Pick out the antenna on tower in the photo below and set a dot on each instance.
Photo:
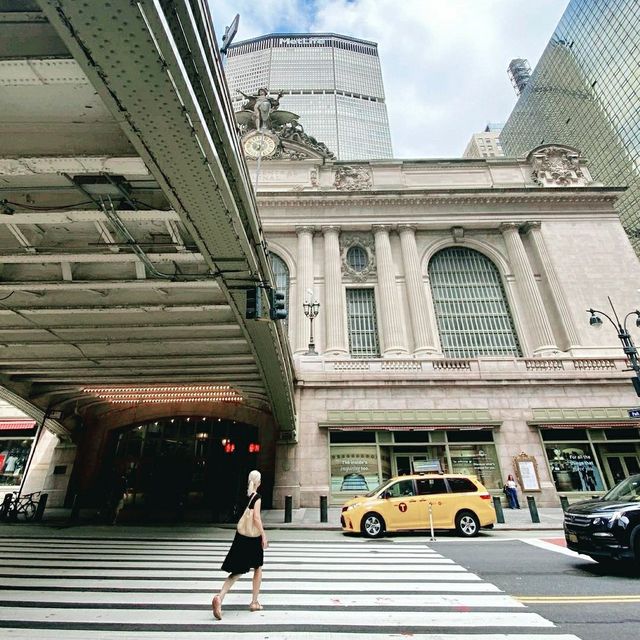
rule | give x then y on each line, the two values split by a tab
519	72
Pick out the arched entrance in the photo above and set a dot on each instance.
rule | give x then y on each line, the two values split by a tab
182	467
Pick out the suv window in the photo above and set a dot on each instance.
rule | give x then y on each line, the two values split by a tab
401	488
429	486
461	485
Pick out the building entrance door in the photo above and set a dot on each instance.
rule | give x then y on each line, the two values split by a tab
620	466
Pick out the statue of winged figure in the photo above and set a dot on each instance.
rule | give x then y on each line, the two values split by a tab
261	111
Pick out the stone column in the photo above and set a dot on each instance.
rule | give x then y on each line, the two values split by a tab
562	309
304	281
334	314
542	338
394	340
422	320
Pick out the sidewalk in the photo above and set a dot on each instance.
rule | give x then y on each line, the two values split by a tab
309	518
302	519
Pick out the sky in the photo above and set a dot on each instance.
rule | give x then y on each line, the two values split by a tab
444	62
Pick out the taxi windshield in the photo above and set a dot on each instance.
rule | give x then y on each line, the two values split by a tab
379	488
627	490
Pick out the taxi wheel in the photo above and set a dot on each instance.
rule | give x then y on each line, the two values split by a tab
372	525
467	524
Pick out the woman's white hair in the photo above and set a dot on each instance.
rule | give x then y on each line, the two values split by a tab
254	481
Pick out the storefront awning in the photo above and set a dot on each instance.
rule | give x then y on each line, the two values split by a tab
16	425
393	427
632	424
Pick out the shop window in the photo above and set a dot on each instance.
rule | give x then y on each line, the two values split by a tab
429	486
354	469
564	434
338	437
411	436
478	460
470	435
462	485
621	434
573	467
13	457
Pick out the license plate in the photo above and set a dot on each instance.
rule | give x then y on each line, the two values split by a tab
572	537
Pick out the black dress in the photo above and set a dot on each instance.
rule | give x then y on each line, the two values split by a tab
245	553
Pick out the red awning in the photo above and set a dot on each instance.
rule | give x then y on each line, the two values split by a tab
633	424
17	425
404	427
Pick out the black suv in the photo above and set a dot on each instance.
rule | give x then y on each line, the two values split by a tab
607	528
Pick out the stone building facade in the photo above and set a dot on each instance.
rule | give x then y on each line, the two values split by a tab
452	330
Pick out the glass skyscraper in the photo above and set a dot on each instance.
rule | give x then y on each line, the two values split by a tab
333	82
585	92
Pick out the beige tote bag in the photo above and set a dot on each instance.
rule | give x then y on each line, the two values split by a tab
246	525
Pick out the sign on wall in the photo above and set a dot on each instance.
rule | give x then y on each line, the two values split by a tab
527	472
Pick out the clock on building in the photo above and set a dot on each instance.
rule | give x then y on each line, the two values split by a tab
259	144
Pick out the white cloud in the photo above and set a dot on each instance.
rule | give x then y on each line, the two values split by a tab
444	62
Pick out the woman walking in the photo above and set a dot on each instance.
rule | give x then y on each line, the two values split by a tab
246	550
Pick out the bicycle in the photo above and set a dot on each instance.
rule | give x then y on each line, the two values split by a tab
25	507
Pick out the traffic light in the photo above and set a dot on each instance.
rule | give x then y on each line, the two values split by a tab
276	304
254	304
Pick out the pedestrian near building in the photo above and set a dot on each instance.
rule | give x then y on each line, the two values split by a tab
247	549
511	491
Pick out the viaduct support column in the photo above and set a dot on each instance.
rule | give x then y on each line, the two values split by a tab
394	340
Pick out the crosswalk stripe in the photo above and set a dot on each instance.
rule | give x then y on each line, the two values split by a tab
148	590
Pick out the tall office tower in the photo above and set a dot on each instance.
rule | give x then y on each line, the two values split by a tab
485	144
584	93
333	82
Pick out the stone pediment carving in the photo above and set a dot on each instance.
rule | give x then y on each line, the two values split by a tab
557	166
352	178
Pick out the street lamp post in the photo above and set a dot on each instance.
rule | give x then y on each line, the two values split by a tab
311	307
623	334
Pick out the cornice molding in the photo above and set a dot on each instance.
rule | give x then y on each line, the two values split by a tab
306	200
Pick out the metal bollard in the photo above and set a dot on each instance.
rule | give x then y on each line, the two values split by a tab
323	509
564	502
533	510
497	505
288	508
42	503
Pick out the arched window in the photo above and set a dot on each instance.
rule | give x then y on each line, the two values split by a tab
472	311
281	275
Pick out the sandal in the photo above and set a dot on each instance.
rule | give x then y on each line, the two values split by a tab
216	605
255	606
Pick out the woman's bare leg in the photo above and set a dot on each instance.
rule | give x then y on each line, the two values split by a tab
257	580
228	583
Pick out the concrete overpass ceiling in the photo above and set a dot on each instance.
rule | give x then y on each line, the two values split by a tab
127	227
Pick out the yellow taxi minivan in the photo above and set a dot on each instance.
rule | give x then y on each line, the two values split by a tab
402	504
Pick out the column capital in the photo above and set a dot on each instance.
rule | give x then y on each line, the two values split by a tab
510	226
381	228
407	227
330	228
305	229
531	224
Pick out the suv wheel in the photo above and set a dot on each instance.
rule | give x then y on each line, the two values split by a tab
467	524
372	525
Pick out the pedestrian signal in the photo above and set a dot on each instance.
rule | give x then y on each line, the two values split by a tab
254	304
277	309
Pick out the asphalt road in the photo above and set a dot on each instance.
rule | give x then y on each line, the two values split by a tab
582	597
